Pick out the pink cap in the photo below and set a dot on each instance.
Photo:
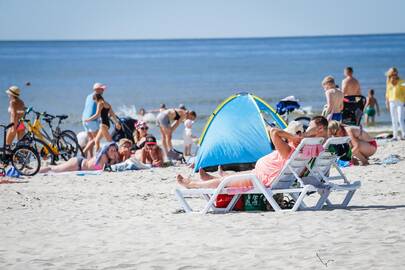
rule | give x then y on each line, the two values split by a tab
99	86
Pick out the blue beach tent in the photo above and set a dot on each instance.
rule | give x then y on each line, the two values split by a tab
235	135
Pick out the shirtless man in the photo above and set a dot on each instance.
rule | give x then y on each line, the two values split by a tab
350	85
334	99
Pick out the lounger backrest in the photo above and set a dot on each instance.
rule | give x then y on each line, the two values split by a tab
296	164
326	159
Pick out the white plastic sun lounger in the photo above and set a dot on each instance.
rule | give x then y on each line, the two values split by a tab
321	169
282	184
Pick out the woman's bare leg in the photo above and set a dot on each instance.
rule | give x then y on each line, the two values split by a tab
101	133
10	135
68	166
186	182
222	172
169	133
88	150
356	151
163	133
212	183
204	175
106	133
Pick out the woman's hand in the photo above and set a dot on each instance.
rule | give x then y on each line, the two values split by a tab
387	105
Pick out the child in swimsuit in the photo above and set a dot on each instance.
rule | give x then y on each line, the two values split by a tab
371	108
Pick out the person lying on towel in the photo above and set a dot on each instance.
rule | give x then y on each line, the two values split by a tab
268	167
106	156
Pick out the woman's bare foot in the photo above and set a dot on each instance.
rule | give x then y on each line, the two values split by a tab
183	181
204	175
221	172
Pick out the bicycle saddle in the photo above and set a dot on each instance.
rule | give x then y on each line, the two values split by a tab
62	117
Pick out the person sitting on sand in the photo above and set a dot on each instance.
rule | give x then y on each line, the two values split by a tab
108	155
268	167
152	153
334	99
363	145
371	108
168	121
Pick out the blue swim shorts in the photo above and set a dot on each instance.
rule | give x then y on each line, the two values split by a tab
91	126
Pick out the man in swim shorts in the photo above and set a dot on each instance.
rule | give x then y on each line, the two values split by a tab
334	99
90	109
350	85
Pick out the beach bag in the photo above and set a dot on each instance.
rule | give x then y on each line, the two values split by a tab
255	202
176	155
223	200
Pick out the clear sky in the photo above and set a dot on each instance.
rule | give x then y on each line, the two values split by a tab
172	19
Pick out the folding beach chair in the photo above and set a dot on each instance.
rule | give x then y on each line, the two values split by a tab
284	183
320	170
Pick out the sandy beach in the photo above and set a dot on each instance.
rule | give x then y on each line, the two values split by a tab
130	220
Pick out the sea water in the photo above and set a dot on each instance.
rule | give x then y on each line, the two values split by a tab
197	73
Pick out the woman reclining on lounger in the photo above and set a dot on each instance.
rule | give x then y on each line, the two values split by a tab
108	155
268	167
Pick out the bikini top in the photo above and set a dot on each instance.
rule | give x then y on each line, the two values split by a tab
177	116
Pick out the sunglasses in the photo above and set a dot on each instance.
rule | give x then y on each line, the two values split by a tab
143	128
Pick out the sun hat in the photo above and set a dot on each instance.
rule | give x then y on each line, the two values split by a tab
150	140
124	141
294	127
14	91
99	86
140	124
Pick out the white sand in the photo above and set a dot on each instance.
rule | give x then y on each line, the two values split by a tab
128	220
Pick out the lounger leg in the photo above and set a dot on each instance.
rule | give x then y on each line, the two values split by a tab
232	203
270	199
322	200
209	205
299	199
295	197
348	198
183	202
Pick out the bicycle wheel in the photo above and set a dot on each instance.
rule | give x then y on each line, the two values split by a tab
67	145
44	151
70	133
25	160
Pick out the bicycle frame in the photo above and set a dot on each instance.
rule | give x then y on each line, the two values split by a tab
37	130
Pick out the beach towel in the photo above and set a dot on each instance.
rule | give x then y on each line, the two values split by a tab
129	165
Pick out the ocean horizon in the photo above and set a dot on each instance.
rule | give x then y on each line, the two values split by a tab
199	73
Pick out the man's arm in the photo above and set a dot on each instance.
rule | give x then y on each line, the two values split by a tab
344	87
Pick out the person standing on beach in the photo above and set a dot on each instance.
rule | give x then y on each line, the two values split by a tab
334	99
350	85
168	121
104	111
16	109
371	108
395	99
90	108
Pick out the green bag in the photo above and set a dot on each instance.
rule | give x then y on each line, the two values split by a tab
255	202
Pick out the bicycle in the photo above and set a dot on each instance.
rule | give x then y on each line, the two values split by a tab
62	135
62	145
23	158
